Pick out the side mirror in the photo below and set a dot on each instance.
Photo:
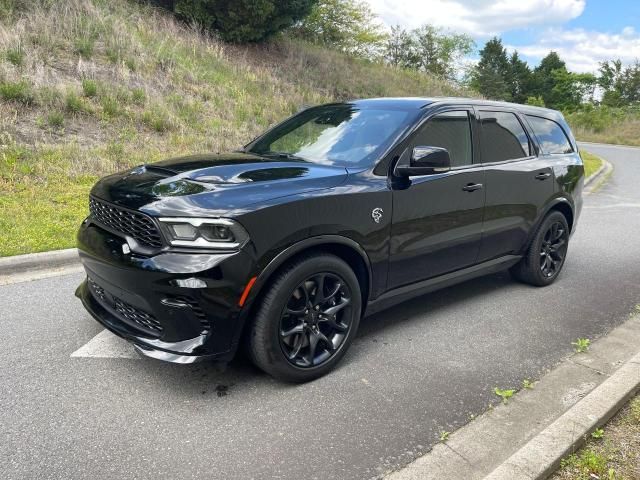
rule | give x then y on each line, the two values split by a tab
423	161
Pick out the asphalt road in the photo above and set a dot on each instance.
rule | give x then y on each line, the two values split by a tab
413	371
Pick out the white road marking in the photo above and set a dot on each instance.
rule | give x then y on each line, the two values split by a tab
106	345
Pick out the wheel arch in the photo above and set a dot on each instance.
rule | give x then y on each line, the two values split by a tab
563	206
343	247
558	204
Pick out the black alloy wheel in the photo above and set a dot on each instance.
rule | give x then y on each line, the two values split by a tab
316	320
542	262
553	249
306	319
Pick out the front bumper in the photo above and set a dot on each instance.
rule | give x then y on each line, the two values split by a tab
142	300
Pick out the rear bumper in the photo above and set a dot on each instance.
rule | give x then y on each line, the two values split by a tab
146	300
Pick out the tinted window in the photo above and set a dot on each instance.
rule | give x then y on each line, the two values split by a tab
450	130
344	135
551	136
503	137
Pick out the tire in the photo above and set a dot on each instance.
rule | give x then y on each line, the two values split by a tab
323	325
546	254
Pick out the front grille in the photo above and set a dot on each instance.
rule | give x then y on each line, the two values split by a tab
136	225
145	320
97	290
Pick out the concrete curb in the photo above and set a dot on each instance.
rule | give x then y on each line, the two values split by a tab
38	261
603	172
526	438
541	456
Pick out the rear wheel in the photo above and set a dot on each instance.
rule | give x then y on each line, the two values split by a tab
307	319
546	255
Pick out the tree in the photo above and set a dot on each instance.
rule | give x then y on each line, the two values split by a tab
544	79
428	49
400	48
621	85
348	25
519	79
244	20
490	76
570	90
437	51
610	80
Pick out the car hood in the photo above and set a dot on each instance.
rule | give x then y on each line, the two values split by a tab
213	184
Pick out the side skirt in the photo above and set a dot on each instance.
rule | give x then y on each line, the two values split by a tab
401	294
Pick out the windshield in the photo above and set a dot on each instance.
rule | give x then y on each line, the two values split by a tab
343	135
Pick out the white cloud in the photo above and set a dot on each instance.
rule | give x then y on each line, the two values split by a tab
478	18
582	50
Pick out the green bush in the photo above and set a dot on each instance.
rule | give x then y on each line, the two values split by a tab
84	47
244	20
157	119
75	104
17	92
89	88
138	96
15	56
535	101
595	119
110	107
55	119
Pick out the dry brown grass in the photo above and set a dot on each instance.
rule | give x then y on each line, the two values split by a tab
162	88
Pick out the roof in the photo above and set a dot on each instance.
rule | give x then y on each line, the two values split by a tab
422	102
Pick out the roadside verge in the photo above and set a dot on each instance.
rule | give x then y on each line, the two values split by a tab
528	437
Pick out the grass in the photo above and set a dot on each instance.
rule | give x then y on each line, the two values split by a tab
581	345
504	394
612	454
15	56
606	125
55	119
91	87
17	91
591	163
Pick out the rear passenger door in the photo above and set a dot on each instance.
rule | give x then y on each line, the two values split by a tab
518	182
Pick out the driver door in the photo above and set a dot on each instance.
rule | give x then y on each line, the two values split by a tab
437	219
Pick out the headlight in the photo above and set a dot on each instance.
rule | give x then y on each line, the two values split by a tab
219	233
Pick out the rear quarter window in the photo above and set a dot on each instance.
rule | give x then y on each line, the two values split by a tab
552	138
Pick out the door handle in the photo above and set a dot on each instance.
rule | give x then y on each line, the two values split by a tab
543	175
472	187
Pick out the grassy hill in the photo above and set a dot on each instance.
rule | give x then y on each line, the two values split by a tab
89	87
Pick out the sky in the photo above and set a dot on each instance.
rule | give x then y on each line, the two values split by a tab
583	32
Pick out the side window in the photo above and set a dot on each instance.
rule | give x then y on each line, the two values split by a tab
450	130
502	137
551	135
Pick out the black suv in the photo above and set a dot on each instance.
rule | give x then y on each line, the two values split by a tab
335	213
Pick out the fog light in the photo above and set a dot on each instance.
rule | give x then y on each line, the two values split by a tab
190	283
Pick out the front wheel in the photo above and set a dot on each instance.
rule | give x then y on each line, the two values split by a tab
307	319
545	257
